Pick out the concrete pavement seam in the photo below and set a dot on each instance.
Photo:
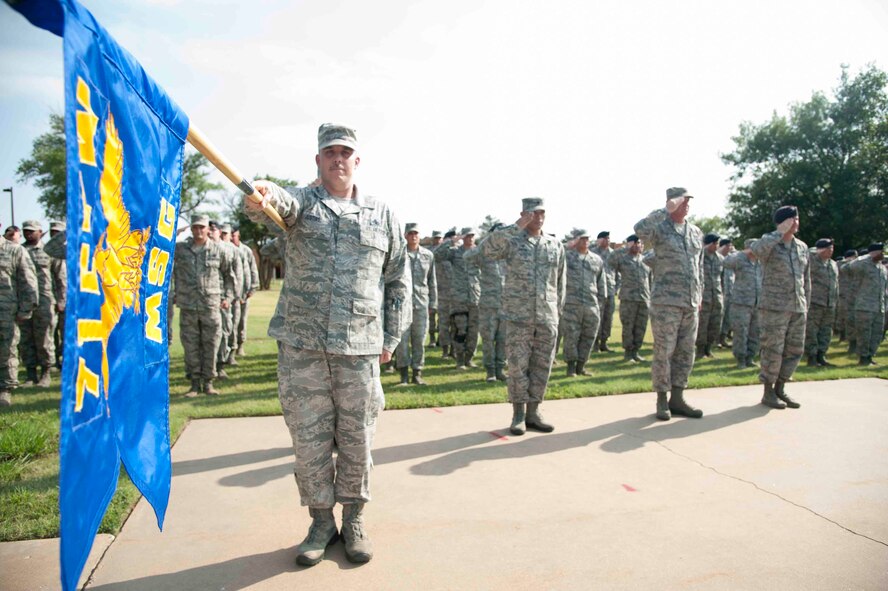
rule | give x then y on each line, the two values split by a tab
756	486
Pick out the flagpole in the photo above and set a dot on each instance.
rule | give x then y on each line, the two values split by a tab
205	147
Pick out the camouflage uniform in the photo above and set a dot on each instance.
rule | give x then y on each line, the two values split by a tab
275	251
745	297
727	291
870	280
411	349
822	305
203	280
786	284
59	272
635	298
533	298
586	294
847	296
36	346
18	299
346	297
493	327
236	270
675	297
443	271
710	321
465	295
609	303
242	307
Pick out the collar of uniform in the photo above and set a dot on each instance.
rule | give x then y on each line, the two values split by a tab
362	201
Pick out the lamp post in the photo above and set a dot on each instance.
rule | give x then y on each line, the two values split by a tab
11	204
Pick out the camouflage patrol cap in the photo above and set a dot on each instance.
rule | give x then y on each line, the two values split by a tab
31	225
469	230
533	204
198	219
225	228
673	192
334	134
582	233
57	225
411	227
436	234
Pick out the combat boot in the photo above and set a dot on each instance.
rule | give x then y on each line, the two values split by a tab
518	426
32	377
637	357
232	358
357	544
723	342
405	376
707	351
535	420
866	361
699	354
500	374
45	380
321	534
5	398
390	367
571	369
782	395
445	351
469	363
417	378
750	362
812	360
822	361
770	398
194	392
240	351
663	407
604	348
221	374
678	406
852	346
741	363
491	374
210	390
581	369
627	355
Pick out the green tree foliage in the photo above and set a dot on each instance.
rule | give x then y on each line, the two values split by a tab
828	156
251	232
45	167
714	225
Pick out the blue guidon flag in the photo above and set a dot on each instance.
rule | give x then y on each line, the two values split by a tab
125	144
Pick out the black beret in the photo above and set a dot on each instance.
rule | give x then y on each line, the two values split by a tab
710	238
213	224
724	241
876	246
604	234
823	243
785	212
235	228
861	252
450	234
850	253
632	238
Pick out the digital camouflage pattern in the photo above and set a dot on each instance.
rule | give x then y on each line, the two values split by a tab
59	272
675	329
236	269
586	292
745	297
845	312
411	349
635	298
868	279
442	277
18	299
823	304
463	300
608	302
492	327
713	301
36	346
250	286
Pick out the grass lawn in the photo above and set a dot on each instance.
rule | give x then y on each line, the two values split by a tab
29	430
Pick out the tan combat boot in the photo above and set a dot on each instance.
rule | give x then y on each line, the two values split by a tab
194	392
358	548
321	534
210	390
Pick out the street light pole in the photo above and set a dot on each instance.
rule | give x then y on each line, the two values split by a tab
11	204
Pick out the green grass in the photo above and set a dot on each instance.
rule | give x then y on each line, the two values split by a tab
29	429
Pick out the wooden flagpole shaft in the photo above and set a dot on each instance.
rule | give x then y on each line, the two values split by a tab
205	147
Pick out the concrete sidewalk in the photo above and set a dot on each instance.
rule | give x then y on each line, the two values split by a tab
745	498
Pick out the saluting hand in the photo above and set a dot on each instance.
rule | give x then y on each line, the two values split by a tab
674	203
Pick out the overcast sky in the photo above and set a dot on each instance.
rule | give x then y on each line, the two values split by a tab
464	107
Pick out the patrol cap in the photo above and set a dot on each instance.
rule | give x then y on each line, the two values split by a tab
673	192
582	233
710	238
823	243
57	225
725	241
225	228
31	225
533	204
411	227
335	134
632	238
604	234
436	234
198	219
850	253
875	246
469	230
785	212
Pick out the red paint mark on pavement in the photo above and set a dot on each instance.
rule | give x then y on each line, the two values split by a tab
438	410
498	435
629	488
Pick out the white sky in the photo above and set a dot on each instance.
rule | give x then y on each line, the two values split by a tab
464	107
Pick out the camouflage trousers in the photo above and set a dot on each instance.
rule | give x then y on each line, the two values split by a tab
530	349
607	318
726	316
225	327
170	312
9	340
493	338
58	337
235	320
870	330
709	325
783	342
847	313
36	346
200	332
330	401
818	332
444	322
410	352
745	325
675	330
464	331
433	325
634	318
241	324
579	326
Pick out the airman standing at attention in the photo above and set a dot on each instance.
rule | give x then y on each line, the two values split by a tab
17	303
59	273
823	303
711	311
490	310
411	350
221	234
603	249
434	317
465	295
36	346
635	296
870	281
746	295
251	285
586	292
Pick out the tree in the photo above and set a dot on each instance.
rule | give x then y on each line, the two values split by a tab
829	157
46	169
713	225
